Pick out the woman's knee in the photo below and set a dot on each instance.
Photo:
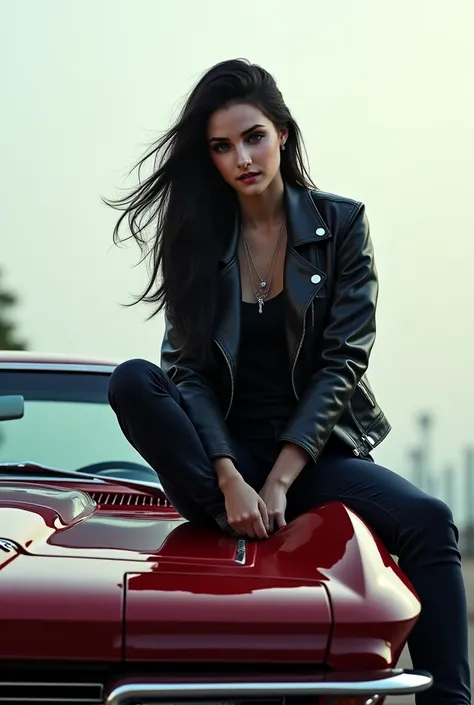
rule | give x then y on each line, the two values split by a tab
128	380
429	514
427	530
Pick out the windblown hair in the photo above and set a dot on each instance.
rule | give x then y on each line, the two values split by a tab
189	206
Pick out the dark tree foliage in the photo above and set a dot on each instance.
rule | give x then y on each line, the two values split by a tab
8	339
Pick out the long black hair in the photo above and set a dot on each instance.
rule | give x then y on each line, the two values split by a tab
190	207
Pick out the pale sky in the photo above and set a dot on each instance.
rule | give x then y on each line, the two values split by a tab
384	94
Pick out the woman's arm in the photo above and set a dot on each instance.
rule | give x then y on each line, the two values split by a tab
246	511
347	341
198	395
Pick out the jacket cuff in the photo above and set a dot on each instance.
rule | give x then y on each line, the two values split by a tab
312	452
223	454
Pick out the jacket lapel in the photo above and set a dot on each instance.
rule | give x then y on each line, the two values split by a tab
303	279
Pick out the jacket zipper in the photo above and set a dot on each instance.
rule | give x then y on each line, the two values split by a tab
296	357
355	450
231	377
366	394
364	436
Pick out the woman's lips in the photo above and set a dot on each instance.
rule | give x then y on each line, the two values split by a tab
249	177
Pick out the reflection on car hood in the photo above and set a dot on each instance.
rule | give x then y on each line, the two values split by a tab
164	587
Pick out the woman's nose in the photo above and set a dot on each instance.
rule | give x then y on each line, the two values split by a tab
243	160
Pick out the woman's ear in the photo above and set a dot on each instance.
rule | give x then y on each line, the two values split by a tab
283	134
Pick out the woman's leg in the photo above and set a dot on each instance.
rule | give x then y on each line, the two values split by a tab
148	407
419	529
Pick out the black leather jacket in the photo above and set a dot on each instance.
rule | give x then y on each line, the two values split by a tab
331	294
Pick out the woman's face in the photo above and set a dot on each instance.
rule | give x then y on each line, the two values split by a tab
245	147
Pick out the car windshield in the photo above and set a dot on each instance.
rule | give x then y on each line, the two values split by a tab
67	424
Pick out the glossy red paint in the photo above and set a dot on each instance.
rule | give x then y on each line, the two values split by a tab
61	610
142	585
374	606
187	616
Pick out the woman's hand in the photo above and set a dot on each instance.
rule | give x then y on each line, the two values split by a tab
246	510
274	496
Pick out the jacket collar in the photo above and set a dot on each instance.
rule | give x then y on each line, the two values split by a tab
306	223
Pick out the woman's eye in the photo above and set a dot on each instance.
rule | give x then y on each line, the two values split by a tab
219	148
222	147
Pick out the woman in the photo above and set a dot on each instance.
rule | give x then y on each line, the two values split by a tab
261	409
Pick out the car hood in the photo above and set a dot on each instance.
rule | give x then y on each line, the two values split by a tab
151	586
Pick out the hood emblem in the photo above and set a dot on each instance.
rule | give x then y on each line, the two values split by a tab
241	552
7	546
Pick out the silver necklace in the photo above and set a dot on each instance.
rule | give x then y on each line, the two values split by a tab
264	283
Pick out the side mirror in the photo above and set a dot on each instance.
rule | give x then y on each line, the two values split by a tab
12	407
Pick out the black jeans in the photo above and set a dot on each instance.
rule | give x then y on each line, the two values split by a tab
417	528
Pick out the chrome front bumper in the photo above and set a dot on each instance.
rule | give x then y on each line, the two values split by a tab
394	682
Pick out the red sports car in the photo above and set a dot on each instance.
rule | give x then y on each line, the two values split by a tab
108	596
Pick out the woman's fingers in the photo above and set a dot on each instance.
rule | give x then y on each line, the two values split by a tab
252	525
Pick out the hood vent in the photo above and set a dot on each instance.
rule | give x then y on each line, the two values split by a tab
130	499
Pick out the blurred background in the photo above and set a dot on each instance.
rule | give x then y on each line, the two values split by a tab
384	94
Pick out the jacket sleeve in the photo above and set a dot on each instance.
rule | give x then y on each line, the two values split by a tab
197	390
346	342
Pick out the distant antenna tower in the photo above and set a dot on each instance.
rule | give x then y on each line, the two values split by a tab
469	485
449	488
425	421
416	464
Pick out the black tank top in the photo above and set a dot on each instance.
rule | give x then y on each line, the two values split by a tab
263	388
